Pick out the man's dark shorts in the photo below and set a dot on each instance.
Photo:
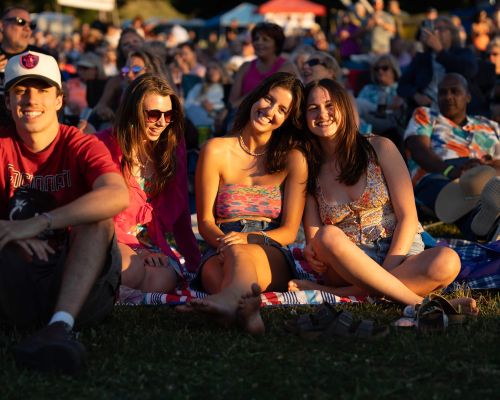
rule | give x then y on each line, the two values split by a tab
29	287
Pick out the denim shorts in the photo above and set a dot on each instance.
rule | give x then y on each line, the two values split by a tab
245	225
377	250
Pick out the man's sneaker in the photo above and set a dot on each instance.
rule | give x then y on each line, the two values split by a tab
53	348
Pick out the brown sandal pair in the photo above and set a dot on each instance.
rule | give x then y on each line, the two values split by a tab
327	322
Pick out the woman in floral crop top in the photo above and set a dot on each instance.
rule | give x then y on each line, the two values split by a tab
147	144
360	222
250	195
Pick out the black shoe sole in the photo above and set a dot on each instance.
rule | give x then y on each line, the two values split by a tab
54	357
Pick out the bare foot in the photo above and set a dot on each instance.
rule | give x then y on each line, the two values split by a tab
248	313
301	284
465	305
216	305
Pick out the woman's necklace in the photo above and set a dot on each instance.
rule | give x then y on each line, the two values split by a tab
247	150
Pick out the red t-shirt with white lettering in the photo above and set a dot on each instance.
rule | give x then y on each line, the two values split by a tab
67	168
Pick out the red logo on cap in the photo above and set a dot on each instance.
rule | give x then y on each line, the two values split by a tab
29	61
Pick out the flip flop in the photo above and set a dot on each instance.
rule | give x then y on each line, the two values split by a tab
455	316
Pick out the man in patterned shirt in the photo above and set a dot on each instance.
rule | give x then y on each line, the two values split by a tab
443	145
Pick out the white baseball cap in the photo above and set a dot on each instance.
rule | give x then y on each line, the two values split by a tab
32	65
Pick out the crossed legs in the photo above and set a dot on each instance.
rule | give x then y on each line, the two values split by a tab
351	272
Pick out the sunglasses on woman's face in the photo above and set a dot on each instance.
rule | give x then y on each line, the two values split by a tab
134	69
153	116
381	68
21	22
315	61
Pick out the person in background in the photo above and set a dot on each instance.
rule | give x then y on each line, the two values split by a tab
147	144
443	54
250	194
444	144
16	28
268	40
380	28
360	222
320	65
204	104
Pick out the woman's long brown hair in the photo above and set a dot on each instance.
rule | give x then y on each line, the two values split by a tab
289	135
130	128
353	151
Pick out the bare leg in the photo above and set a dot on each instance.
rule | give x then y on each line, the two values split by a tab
243	266
248	313
87	255
137	275
407	283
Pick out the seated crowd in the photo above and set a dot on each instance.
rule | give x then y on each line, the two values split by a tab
96	185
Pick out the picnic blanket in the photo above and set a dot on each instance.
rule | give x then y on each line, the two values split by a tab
480	269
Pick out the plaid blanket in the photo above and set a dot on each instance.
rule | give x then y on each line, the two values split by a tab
480	270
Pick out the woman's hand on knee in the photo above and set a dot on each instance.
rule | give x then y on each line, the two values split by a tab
231	239
310	256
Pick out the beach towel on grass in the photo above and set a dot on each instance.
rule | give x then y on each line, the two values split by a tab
480	270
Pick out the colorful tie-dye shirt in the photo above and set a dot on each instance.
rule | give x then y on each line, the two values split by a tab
477	138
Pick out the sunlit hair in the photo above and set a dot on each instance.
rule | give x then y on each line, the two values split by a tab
353	151
152	62
389	59
289	135
121	57
131	126
272	30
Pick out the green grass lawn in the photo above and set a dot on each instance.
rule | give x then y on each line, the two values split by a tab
157	353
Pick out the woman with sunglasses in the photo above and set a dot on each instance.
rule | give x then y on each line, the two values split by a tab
360	222
147	143
139	61
250	195
320	65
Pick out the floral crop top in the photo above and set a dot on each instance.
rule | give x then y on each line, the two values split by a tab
243	201
366	219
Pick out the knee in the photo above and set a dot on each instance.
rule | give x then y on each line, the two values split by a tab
445	266
328	239
235	252
98	229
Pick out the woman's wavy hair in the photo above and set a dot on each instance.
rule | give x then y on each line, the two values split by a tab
289	135
353	151
131	126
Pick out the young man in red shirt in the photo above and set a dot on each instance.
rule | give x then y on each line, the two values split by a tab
59	190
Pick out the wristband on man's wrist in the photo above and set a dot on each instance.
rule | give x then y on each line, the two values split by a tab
49	220
447	170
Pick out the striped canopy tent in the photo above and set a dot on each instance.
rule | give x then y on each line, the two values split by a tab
292	6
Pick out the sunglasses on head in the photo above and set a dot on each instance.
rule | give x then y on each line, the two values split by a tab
153	116
135	70
21	22
381	68
315	61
